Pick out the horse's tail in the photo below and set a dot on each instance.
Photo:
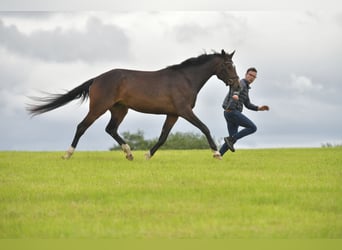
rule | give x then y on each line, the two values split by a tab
53	101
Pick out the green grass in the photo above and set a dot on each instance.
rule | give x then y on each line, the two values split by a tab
273	193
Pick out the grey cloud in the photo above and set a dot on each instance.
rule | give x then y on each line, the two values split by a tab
190	32
28	14
226	27
9	81
338	19
99	42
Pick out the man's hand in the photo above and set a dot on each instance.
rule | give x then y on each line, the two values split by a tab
263	108
235	97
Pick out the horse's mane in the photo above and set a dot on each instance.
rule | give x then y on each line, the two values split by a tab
194	61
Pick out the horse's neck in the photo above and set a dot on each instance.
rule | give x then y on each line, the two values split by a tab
197	76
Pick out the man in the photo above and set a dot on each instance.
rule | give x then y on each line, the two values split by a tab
233	105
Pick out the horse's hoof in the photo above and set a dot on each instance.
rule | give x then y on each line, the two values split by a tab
68	153
129	157
65	157
148	156
217	156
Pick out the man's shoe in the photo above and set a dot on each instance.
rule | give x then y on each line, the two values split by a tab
230	143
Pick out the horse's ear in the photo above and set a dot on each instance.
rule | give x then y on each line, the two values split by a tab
223	52
231	55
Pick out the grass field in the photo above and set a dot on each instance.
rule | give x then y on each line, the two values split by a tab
271	193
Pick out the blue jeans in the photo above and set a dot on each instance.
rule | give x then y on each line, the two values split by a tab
235	119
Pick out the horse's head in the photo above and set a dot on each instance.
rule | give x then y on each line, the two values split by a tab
226	70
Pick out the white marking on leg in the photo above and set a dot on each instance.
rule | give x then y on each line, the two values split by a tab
71	150
127	150
148	155
217	155
68	153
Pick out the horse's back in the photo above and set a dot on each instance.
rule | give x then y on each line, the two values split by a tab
136	79
143	91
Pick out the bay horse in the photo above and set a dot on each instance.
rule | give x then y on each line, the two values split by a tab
171	91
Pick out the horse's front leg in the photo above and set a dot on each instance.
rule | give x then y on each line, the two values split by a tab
193	119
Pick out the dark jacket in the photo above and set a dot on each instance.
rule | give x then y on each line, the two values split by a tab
243	94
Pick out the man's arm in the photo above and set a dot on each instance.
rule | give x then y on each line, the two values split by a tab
250	105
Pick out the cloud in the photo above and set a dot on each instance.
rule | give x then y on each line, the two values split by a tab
98	42
212	5
190	32
223	27
304	84
338	18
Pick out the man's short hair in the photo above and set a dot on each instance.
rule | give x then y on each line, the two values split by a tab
251	69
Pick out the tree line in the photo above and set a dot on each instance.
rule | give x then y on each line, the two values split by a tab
178	140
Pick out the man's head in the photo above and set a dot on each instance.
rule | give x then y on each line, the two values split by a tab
251	74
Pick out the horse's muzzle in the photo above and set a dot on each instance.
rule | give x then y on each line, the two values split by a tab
234	82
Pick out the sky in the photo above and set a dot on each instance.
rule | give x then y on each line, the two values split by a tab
297	52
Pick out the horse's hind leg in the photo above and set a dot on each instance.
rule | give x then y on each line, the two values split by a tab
81	128
118	113
168	124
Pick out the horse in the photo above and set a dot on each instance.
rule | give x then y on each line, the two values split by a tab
171	91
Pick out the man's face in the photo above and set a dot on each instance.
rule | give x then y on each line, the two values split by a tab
250	76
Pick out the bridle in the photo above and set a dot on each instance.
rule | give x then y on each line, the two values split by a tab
229	80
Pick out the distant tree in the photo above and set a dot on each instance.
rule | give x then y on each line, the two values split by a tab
186	140
330	145
179	140
136	141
